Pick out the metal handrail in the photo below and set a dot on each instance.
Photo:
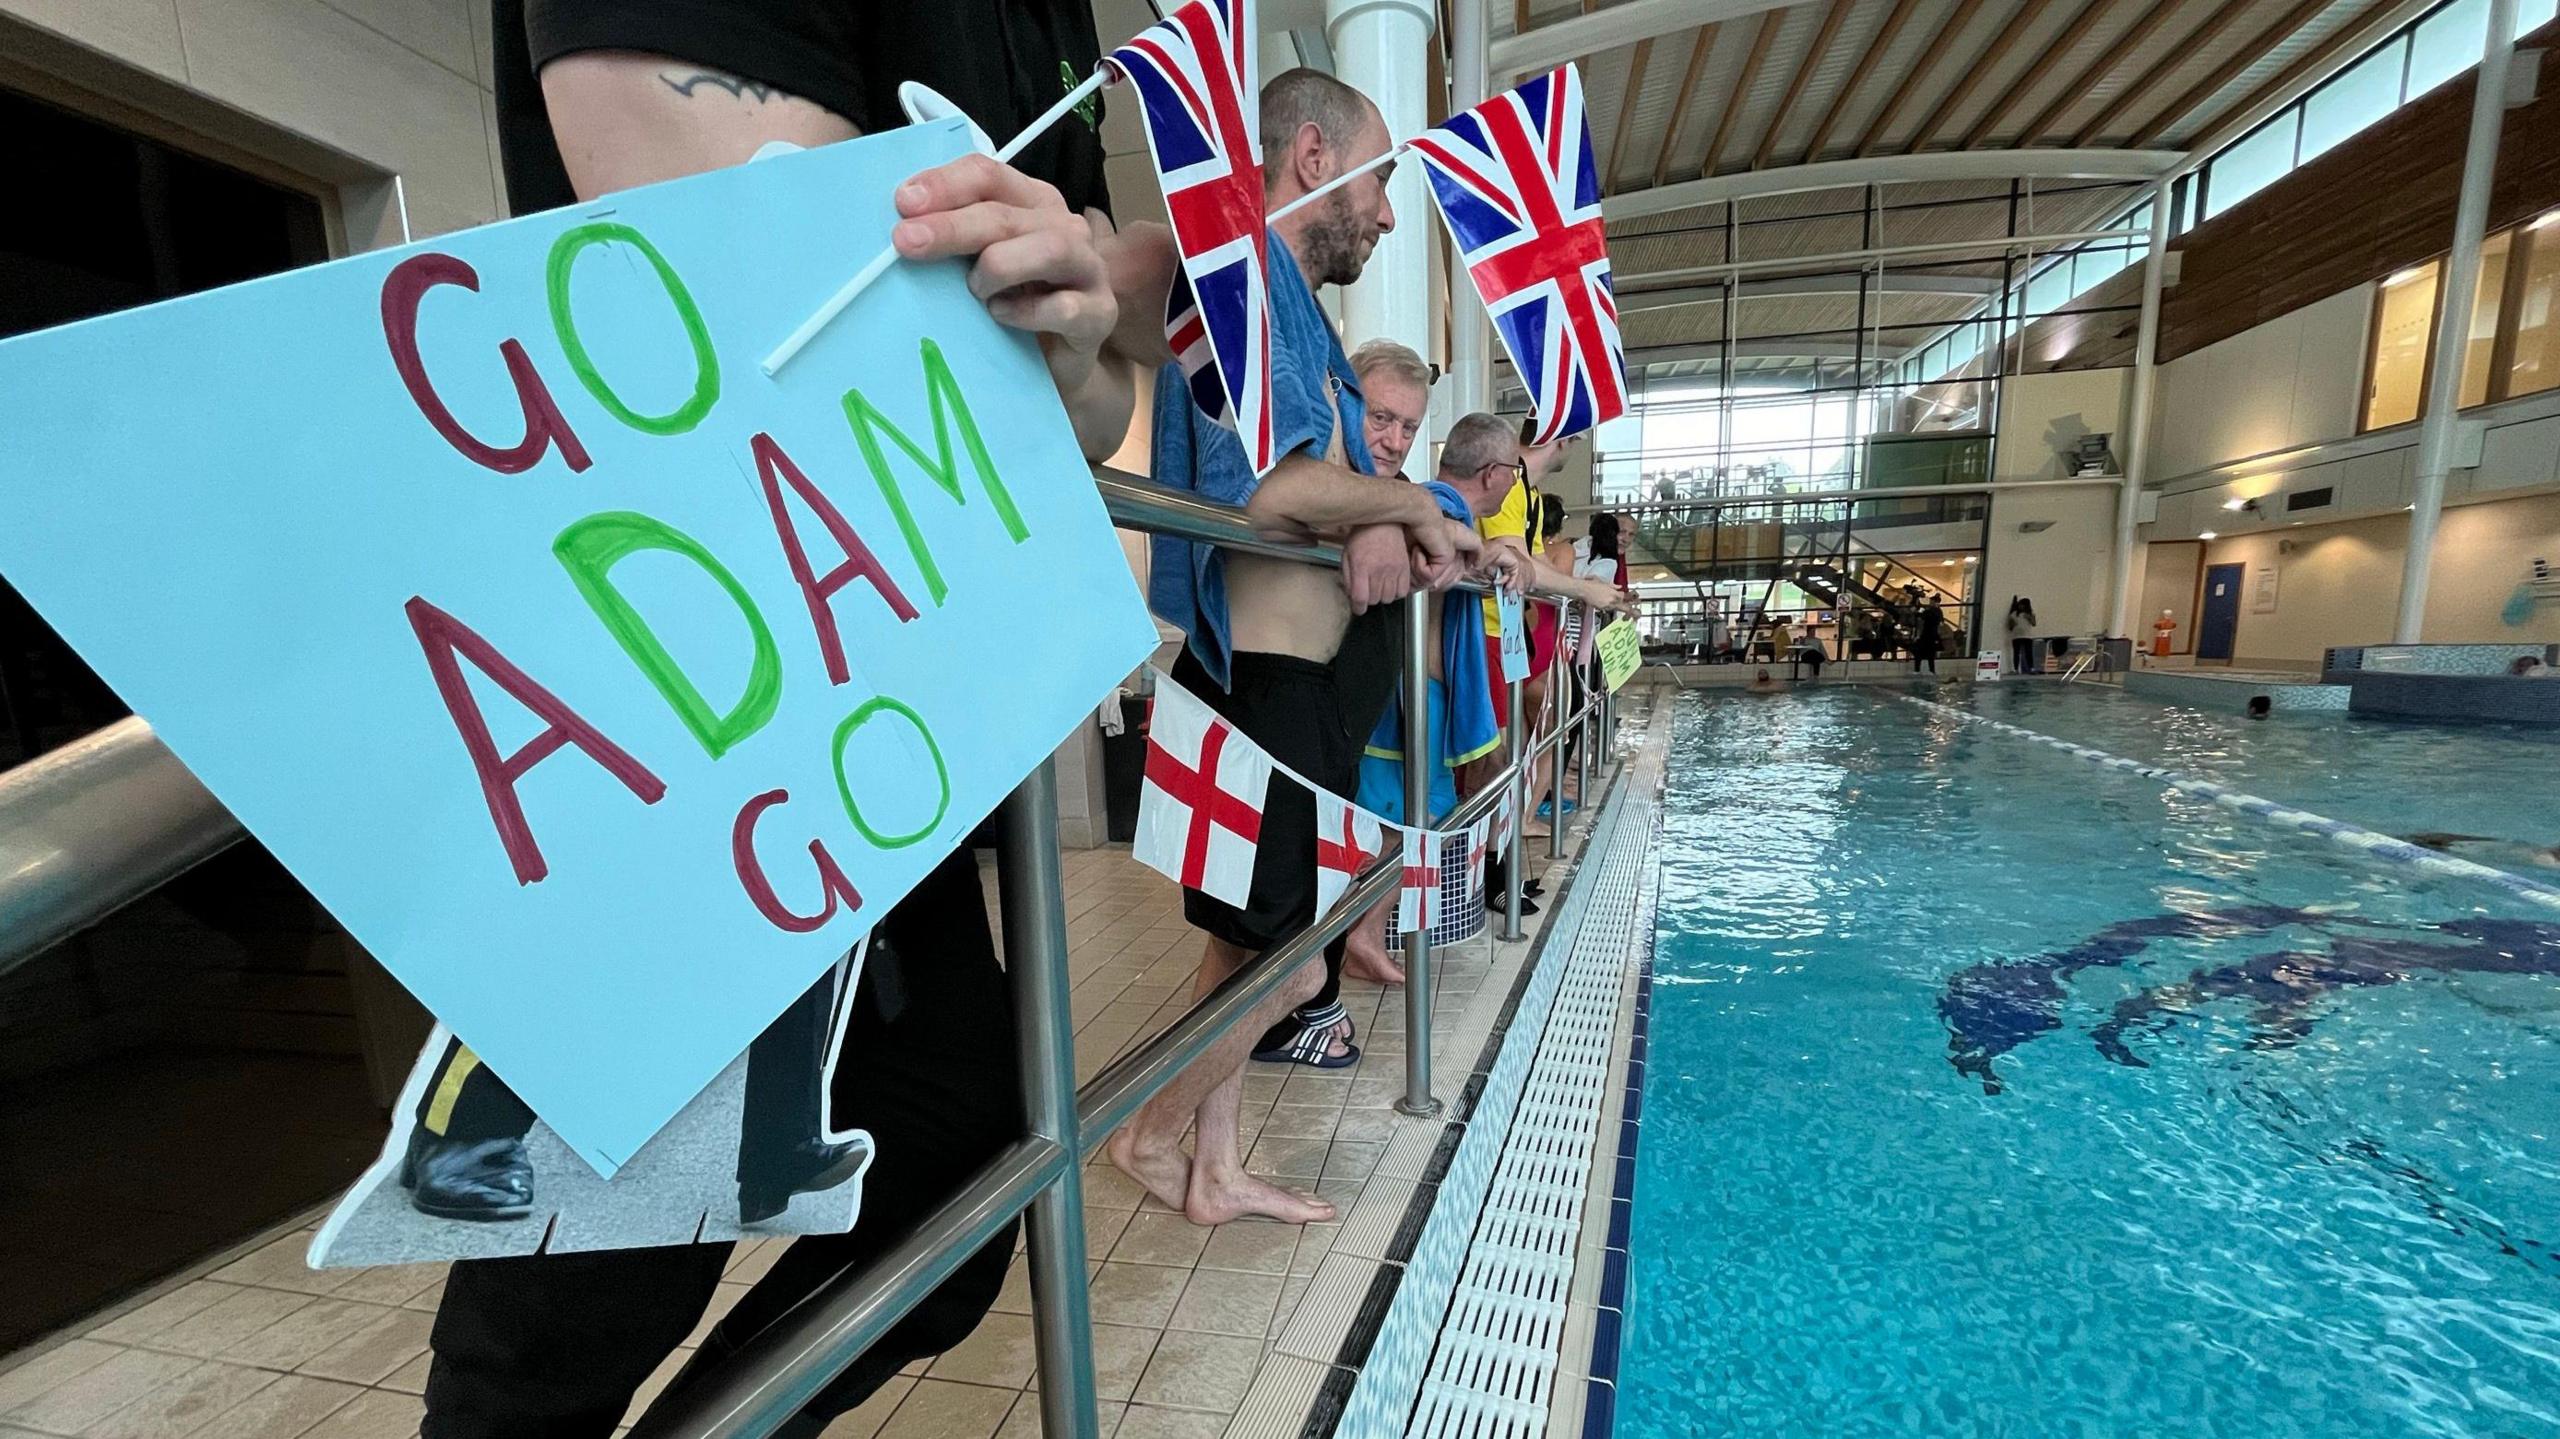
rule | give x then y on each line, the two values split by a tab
98	823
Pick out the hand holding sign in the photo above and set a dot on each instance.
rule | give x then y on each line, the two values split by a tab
605	690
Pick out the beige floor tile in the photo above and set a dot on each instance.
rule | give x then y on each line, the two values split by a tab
240	1315
1226	1301
1102	1231
1107	1188
373	1353
1366	1126
373	1414
1150	1421
183	1405
280	1264
390	1283
1300	1121
303	1335
723	1299
1314	1242
58	1365
1015	1295
865	1419
1352	1159
138	1325
751	1261
1300	1159
936	1409
1161	1239
1251	1246
91	1395
1200	1371
997	1353
282	1410
1120	1355
428	1299
1292	1289
1136	1294
411	1378
656	1384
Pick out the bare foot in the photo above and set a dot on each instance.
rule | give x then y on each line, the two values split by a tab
1165	1175
1535	829
1365	957
1244	1197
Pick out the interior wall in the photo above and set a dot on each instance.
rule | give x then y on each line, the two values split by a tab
2043	418
2171	573
2295	380
2062	564
2340	584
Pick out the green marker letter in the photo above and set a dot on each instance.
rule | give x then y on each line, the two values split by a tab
844	786
948	403
706	384
590	549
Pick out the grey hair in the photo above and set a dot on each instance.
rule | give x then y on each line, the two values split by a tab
1474	442
1310	97
1397	360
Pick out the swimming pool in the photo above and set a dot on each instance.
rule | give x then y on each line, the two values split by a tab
1994	1093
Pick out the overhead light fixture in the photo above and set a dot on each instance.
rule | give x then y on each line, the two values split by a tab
2234	504
2207	535
2547	221
1973	559
2404	277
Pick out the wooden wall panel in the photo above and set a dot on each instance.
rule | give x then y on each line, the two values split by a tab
2378	203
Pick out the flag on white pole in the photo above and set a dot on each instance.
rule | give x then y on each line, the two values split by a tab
1200	809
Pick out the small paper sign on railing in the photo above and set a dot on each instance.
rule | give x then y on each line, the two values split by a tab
1621	652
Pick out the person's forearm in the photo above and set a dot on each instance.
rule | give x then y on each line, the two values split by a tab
1142	259
1303	493
1100	408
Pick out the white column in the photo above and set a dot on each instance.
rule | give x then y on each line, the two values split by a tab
2137	440
1382	49
1470	329
2461	278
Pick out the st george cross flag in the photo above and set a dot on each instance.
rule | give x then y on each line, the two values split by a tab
1348	840
1479	843
1200	809
1502	822
1515	181
1195	72
1418	901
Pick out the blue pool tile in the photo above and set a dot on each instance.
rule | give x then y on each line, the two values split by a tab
1613	1278
1619	1223
1606	1324
1599	1409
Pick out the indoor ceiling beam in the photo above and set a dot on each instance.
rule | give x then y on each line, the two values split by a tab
2204	90
1937	165
1869	56
1975	71
1927	62
1628	99
1821	46
1739	97
2017	91
1548	46
2126	45
2201	38
1699	49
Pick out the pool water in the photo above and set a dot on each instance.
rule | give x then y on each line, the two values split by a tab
1995	1093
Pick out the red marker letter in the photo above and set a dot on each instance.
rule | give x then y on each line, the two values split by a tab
445	638
408	284
742	850
859	563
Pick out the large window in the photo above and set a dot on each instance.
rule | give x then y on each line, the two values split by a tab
2510	347
2418	57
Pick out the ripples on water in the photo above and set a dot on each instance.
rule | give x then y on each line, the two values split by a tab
2347	1228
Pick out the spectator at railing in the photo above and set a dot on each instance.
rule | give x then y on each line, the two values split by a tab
1298	658
595	96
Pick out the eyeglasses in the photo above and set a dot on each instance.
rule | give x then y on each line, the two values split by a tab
1519	469
1386	423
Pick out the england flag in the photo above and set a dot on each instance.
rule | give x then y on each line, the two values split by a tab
1348	840
1418	901
1200	808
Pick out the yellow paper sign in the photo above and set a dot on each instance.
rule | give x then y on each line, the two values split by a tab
1621	652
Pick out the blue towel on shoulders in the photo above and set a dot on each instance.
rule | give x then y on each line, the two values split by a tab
1473	733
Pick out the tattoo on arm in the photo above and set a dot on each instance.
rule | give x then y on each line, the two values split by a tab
736	87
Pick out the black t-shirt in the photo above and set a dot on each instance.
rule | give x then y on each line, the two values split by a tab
1002	61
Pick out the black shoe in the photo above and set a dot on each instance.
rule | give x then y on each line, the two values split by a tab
482	1180
1494	902
1534	889
818	1166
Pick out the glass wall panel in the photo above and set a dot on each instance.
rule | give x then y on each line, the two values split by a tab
2252	165
2365	92
2536	363
2402	322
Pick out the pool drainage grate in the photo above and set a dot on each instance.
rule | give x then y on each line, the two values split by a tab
1493	1370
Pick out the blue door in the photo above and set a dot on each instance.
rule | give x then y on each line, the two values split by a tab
2220	627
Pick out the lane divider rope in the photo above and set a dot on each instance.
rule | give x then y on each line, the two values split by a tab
2364	841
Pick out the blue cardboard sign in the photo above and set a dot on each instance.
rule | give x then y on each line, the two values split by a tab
1514	648
606	690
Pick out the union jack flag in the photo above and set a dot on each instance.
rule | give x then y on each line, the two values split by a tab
1515	181
1194	71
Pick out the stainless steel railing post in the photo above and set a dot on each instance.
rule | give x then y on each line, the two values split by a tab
1417	813
1582	742
1516	779
1560	705
1031	888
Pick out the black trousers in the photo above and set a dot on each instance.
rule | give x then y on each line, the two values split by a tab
554	1346
783	1109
